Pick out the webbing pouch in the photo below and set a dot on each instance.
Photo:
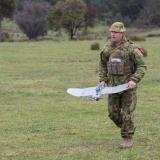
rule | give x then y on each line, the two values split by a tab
116	68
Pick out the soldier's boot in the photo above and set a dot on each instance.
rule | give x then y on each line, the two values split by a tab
127	143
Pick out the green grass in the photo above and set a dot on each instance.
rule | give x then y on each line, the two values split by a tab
40	121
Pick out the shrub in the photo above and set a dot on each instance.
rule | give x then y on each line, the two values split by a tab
6	37
136	38
153	35
32	18
95	46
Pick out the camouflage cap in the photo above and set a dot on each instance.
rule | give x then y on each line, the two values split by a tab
117	27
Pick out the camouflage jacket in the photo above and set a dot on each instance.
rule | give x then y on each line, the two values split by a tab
121	63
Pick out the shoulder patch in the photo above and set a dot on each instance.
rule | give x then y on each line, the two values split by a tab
138	52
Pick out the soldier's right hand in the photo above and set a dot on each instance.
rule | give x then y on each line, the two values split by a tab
103	83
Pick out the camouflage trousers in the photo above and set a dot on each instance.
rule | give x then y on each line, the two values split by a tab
120	109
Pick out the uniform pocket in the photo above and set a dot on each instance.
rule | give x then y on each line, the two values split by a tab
120	68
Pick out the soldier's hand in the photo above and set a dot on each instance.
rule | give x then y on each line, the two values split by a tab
131	84
103	83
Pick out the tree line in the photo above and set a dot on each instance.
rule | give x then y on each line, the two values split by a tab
35	17
137	12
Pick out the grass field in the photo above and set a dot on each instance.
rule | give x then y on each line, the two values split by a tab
40	121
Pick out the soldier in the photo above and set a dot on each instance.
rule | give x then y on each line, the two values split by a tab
121	62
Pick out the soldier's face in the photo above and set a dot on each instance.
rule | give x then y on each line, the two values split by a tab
116	36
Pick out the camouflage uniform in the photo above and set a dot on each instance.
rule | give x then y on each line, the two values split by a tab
119	64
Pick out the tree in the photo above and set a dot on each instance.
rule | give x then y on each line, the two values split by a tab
6	8
150	15
32	18
130	9
52	2
56	16
90	16
102	7
71	15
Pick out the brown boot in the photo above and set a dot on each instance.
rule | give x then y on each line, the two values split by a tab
127	143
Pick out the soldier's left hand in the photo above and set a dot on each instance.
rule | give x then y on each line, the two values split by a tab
131	84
